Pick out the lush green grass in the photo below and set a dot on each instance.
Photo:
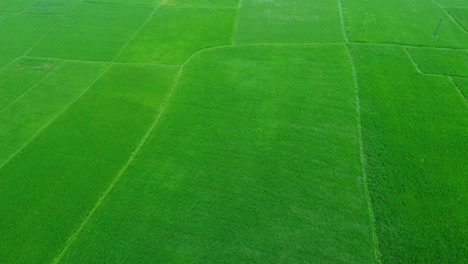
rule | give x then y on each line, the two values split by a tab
414	134
255	160
289	21
249	148
174	34
441	61
41	98
411	22
92	32
54	182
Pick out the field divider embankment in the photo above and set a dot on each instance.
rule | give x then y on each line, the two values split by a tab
342	21
365	183
25	144
31	87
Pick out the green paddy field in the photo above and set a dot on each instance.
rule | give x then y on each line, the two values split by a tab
233	131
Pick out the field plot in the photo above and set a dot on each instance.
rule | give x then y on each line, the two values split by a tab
289	21
414	133
233	131
436	61
92	32
247	165
412	22
174	34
